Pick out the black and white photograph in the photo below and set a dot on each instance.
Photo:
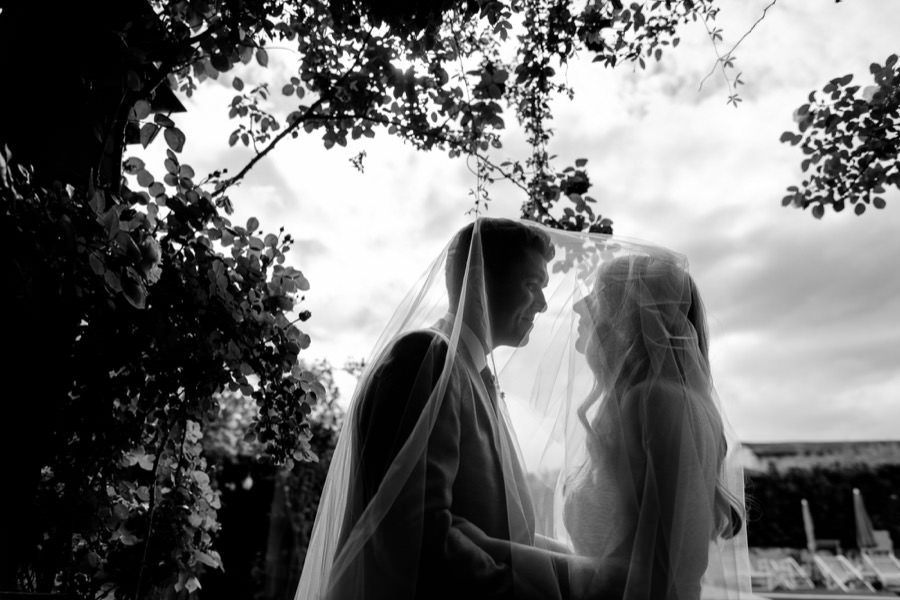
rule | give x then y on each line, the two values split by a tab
450	299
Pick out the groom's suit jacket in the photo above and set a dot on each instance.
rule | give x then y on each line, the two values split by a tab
457	479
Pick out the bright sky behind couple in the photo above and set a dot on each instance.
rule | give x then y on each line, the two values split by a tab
802	312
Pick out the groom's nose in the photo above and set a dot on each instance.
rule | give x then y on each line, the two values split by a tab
541	301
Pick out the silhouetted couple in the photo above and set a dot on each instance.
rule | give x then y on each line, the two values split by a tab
607	402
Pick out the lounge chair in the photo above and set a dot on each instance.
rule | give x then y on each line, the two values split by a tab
839	573
762	576
790	575
882	562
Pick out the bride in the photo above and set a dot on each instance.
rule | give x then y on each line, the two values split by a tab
649	492
633	465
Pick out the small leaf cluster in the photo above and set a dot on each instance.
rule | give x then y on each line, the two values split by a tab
552	33
850	137
572	183
614	32
297	489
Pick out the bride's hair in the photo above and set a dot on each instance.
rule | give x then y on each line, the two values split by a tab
643	305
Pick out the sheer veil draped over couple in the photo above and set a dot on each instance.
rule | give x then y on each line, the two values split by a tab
537	421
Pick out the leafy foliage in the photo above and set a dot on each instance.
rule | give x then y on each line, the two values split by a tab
158	320
851	139
267	511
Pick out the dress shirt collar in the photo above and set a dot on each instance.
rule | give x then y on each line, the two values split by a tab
470	341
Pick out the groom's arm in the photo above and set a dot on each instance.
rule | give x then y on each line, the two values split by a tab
419	527
394	398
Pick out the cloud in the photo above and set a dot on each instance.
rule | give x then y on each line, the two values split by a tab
309	249
803	313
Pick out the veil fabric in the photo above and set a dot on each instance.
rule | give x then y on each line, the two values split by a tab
537	420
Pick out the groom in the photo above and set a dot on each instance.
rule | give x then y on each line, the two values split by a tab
457	494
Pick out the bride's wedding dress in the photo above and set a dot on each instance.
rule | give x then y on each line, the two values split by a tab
649	490
641	509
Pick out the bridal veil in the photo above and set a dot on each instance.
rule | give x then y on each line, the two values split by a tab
587	456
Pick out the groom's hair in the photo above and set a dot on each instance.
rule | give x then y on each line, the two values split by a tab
503	243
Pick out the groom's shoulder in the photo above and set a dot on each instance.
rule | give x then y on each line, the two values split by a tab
416	347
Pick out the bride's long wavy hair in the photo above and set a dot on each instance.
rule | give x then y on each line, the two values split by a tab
638	294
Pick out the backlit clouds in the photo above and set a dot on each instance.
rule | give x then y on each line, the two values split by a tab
804	314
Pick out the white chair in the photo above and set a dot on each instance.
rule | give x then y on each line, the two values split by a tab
882	562
790	575
762	576
839	573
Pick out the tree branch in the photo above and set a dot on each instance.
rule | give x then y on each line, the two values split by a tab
220	189
721	59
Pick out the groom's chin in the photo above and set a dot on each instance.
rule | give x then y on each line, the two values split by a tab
526	336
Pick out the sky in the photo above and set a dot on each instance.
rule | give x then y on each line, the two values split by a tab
804	313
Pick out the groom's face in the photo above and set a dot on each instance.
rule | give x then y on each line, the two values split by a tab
516	296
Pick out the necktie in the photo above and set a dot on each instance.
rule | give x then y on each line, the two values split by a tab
490	384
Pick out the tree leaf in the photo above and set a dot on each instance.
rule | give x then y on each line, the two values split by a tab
174	138
161	119
220	62
252	224
140	110
207	559
133	165
113	281
262	57
97	265
133	81
156	189
149	132
145	461
144	177
201	477
134	291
